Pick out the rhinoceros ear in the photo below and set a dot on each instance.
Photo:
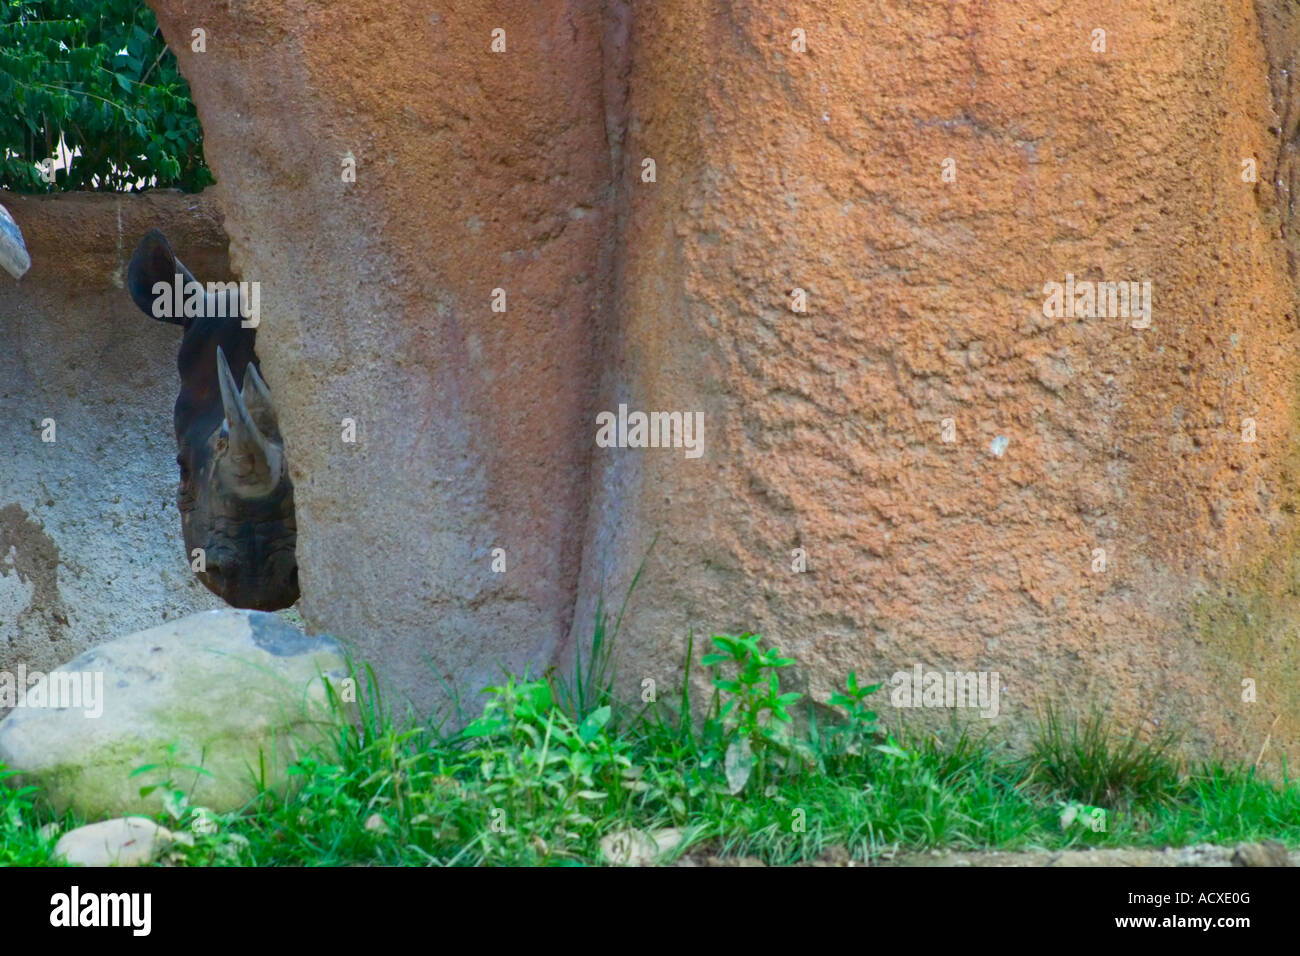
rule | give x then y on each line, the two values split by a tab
153	263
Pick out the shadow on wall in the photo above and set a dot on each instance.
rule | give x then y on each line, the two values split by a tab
90	539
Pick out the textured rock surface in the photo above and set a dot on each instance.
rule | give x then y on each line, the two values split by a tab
779	170
233	691
90	539
473	173
823	171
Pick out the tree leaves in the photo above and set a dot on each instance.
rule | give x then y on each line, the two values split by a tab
98	74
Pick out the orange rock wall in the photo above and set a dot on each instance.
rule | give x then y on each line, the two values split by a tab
823	171
777	170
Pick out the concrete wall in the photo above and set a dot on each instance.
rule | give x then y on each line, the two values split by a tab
90	539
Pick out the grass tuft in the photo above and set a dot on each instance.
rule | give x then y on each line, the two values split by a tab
1087	760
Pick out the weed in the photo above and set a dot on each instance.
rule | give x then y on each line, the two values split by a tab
753	716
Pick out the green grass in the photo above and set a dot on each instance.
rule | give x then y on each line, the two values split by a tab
1086	759
554	765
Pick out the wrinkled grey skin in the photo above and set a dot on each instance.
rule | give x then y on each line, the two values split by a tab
235	497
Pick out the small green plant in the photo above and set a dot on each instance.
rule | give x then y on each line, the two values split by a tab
175	800
543	773
862	727
202	836
592	683
1082	816
754	717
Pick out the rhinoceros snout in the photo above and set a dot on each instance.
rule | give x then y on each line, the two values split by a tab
268	587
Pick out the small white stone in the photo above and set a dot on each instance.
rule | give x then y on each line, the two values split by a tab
638	848
126	841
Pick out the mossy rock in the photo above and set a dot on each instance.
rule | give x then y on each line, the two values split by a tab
238	693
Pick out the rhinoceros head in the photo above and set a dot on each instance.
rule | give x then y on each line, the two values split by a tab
235	497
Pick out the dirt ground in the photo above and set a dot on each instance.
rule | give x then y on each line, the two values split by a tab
1243	854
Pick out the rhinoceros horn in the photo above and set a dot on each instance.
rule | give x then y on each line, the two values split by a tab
257	461
257	399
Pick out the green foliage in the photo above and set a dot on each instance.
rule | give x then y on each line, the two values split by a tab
203	837
23	839
167	788
862	728
754	716
97	72
592	683
15	803
543	772
529	783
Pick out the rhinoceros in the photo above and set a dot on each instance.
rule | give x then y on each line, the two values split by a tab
235	496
